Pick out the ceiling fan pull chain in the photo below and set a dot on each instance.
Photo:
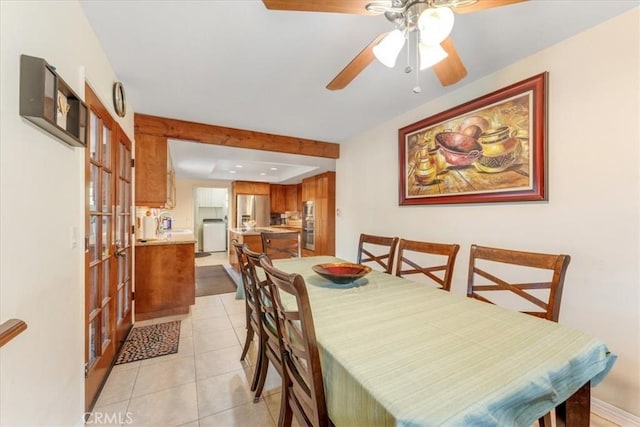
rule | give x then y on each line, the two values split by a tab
408	68
417	88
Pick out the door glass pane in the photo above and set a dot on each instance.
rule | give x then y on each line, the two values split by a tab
120	306
94	188
94	124
106	147
128	164
122	268
106	191
127	263
93	342
121	195
106	236
106	329
105	280
122	157
127	293
118	230
94	237
93	288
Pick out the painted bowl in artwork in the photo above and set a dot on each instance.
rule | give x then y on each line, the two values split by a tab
458	149
341	272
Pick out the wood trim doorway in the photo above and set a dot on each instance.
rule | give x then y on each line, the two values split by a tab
108	248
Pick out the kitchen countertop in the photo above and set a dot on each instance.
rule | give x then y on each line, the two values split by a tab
168	239
256	231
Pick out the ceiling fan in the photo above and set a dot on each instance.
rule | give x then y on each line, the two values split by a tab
431	19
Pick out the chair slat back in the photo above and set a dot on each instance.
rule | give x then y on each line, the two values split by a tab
378	250
305	388
480	281
441	274
250	290
281	245
269	323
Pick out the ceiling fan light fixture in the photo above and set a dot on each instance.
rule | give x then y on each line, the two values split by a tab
389	48
435	24
430	55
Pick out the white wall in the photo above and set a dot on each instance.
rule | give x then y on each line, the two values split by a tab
594	190
41	200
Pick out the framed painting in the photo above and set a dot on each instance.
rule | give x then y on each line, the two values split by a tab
490	149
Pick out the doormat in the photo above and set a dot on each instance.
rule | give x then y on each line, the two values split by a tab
213	280
202	254
150	341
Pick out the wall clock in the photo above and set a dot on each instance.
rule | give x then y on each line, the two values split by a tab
119	100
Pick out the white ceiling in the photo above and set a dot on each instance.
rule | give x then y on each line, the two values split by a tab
215	162
234	63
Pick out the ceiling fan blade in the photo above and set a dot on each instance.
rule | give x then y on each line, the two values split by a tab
484	4
451	69
357	7
355	67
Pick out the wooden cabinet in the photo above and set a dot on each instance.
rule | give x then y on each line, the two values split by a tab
165	280
48	102
325	207
155	177
293	198
248	187
286	197
309	189
321	189
277	198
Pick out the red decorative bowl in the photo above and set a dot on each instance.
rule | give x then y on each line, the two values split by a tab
341	272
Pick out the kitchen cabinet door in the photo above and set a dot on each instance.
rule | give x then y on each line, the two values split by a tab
292	202
309	189
248	187
152	182
277	198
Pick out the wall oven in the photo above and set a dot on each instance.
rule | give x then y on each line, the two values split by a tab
308	226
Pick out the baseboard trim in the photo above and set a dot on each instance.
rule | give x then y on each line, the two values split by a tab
614	414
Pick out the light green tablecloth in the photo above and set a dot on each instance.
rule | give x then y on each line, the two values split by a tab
399	353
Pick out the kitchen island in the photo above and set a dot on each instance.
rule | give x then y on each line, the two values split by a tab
251	237
165	276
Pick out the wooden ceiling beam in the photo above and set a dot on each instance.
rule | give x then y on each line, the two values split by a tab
230	137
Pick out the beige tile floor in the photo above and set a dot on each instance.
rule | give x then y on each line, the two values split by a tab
204	383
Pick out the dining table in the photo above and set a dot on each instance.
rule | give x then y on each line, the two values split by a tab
400	353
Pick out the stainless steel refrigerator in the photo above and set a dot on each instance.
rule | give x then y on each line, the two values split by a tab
256	208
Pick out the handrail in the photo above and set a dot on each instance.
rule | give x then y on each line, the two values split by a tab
11	329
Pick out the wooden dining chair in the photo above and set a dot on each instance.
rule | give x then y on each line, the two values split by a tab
273	349
303	389
481	281
377	250
253	312
526	262
278	245
413	255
